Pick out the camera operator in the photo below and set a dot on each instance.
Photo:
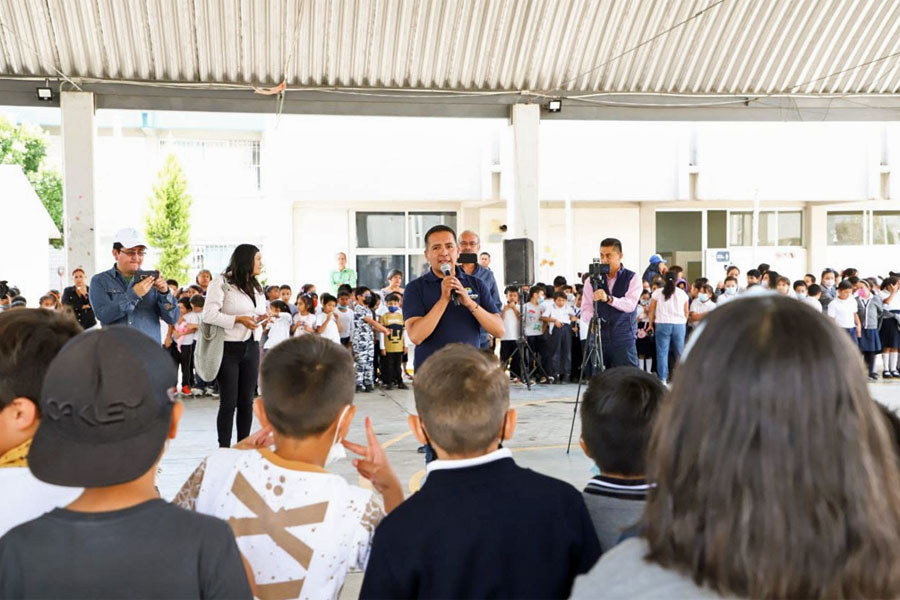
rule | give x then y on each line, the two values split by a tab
617	300
125	295
433	318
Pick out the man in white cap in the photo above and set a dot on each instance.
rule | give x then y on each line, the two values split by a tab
126	295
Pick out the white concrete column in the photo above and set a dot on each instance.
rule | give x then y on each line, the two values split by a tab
79	187
523	208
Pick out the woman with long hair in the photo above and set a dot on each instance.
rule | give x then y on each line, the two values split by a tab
669	310
775	473
235	302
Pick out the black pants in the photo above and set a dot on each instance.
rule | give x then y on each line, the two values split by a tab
187	365
560	351
390	368
237	384
507	350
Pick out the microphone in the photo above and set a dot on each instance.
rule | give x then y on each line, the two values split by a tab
445	269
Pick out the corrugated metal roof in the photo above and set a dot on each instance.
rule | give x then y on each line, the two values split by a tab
698	47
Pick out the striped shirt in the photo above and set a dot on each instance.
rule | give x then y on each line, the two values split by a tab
614	505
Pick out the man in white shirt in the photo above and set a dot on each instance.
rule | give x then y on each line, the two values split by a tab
29	340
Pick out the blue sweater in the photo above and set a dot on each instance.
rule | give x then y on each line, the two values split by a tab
494	530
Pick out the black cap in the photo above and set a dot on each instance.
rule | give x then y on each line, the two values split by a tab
106	405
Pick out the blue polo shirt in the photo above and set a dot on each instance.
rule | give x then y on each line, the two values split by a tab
457	324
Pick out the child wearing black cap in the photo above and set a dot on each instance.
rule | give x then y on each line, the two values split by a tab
300	527
109	407
29	339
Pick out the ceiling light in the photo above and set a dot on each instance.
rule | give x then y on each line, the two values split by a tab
555	105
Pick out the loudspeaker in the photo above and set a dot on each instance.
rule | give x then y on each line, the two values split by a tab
518	261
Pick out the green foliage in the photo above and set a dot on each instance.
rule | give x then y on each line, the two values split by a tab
48	185
168	220
26	145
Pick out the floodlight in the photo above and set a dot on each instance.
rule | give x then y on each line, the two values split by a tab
45	92
555	106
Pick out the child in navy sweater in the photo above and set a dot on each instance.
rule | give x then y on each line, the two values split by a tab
481	526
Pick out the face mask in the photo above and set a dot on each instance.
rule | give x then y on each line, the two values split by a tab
342	307
644	302
570	297
730	291
863	294
803	294
337	451
393	309
828	285
703	297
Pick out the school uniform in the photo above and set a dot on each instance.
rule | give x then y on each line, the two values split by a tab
483	528
870	310
509	342
842	312
560	340
889	332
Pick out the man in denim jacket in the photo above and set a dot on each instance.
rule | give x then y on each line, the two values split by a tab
125	295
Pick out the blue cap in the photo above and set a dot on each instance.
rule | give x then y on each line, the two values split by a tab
656	259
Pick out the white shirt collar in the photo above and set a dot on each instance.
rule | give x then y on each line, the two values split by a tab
464	463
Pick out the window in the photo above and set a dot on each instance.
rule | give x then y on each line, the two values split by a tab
219	166
741	227
790	228
776	228
845	228
886	227
393	240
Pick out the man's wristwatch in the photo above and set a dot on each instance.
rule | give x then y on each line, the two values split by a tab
609	299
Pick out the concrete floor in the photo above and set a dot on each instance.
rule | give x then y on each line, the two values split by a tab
545	415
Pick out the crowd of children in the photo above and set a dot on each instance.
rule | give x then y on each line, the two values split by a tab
679	506
670	308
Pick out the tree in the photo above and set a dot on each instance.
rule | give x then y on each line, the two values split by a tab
26	146
168	220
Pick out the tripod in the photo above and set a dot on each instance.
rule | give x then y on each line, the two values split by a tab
593	356
523	351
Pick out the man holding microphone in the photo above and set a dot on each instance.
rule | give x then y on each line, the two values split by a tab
618	299
125	295
446	305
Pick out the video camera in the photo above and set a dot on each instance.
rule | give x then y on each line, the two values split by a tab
597	269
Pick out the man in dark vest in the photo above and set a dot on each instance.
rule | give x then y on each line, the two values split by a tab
618	299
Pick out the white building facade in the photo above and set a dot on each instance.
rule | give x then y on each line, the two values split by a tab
799	196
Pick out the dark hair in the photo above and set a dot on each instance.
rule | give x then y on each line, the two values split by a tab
171	282
560	295
185	302
614	242
29	340
511	288
485	254
439	229
534	291
772	276
196	288
77	269
281	305
754	273
344	287
775	476
849	272
285	287
669	287
852	279
814	289
118	246
700	282
373	301
827	271
199	301
734	267
676	269
558	281
462	396
763	267
326	298
845	285
811	276
306	301
239	271
361	290
616	418
392	297
306	381
892	280
49	297
731	278
307	287
783	279
798	283
343	294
